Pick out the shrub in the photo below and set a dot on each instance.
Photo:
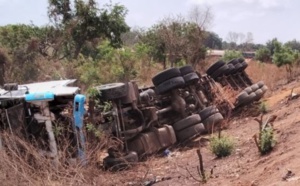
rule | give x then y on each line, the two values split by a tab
221	146
263	54
267	141
263	107
232	54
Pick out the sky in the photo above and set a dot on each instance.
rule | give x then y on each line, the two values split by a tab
265	19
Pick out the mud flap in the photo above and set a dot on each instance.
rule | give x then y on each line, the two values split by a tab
78	113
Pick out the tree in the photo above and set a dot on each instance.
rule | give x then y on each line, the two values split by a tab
24	44
213	41
86	23
263	54
152	39
294	44
3	61
229	46
176	38
284	56
271	45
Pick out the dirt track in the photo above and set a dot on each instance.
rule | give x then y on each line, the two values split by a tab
246	166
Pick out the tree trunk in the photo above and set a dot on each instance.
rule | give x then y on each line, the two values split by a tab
2	72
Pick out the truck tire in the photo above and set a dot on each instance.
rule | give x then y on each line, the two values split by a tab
230	70
259	93
191	78
117	164
242	96
112	91
214	67
233	61
246	100
165	75
248	90
241	60
186	122
212	122
260	84
190	132
219	72
264	88
208	111
254	87
238	67
170	84
186	69
244	66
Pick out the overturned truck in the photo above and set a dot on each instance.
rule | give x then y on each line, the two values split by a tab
181	105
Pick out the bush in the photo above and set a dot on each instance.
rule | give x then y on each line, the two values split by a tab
263	107
267	141
232	54
221	146
263	54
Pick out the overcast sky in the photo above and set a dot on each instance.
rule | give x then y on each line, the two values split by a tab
265	19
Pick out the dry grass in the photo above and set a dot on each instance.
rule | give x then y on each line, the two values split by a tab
22	164
144	78
270	74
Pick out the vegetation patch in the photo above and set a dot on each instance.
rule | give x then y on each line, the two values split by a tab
265	141
221	146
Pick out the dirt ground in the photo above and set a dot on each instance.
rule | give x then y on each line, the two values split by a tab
245	166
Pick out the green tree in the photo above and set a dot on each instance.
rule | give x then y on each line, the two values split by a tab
294	44
263	54
157	48
213	41
271	44
176	39
24	43
284	56
85	24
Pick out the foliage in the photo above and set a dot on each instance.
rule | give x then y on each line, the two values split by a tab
84	25
175	39
92	129
93	93
294	45
263	108
271	44
111	64
263	54
221	146
267	141
284	56
213	41
232	54
3	61
229	45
